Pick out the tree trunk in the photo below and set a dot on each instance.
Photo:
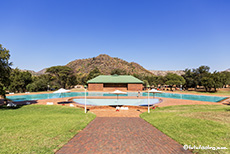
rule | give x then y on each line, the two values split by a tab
5	100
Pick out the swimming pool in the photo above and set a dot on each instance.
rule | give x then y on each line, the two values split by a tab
17	98
112	102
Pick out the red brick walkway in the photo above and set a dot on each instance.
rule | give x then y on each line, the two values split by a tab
121	135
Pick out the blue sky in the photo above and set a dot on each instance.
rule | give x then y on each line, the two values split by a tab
158	34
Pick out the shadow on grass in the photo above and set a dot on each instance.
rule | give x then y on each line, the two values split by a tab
19	105
4	107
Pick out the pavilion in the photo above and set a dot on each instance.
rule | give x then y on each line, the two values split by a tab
115	82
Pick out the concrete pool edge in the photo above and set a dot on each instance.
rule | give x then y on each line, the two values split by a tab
166	101
89	107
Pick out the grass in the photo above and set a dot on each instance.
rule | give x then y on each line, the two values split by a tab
39	128
194	125
219	92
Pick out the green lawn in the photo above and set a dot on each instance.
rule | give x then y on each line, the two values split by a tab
194	125
220	92
39	128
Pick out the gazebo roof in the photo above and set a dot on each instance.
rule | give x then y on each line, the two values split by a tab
115	79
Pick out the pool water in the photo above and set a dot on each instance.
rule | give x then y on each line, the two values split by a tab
189	97
106	102
74	94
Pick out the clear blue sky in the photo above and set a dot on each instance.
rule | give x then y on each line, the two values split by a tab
158	34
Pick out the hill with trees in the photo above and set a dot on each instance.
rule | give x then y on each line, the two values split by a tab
106	64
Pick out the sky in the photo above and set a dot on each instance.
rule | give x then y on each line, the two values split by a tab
157	34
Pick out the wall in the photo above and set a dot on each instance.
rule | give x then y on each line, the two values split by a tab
99	87
95	86
115	88
135	87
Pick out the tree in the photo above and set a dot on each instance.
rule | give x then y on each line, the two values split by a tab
94	73
208	82
146	83
225	78
71	81
139	76
174	79
19	80
189	77
40	83
160	80
118	72
151	79
199	73
61	73
218	80
5	68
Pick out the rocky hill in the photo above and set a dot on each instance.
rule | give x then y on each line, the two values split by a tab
163	73
106	64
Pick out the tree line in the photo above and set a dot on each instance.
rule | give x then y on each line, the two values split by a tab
15	80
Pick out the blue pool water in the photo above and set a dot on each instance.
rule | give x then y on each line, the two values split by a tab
73	94
105	102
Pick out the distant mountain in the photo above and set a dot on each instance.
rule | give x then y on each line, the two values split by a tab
43	71
106	64
35	73
228	70
163	73
32	72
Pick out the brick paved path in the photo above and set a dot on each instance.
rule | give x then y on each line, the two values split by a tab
121	135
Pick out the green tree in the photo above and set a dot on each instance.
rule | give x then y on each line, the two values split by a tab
83	80
190	79
199	73
61	73
151	79
118	72
146	83
208	82
40	83
172	79
71	81
225	78
5	68
139	76
218	80
160	80
94	73
19	80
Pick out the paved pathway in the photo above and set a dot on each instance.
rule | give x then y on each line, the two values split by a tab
111	112
121	135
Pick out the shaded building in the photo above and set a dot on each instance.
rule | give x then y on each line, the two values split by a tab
115	82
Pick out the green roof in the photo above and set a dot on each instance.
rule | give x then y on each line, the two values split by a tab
115	79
